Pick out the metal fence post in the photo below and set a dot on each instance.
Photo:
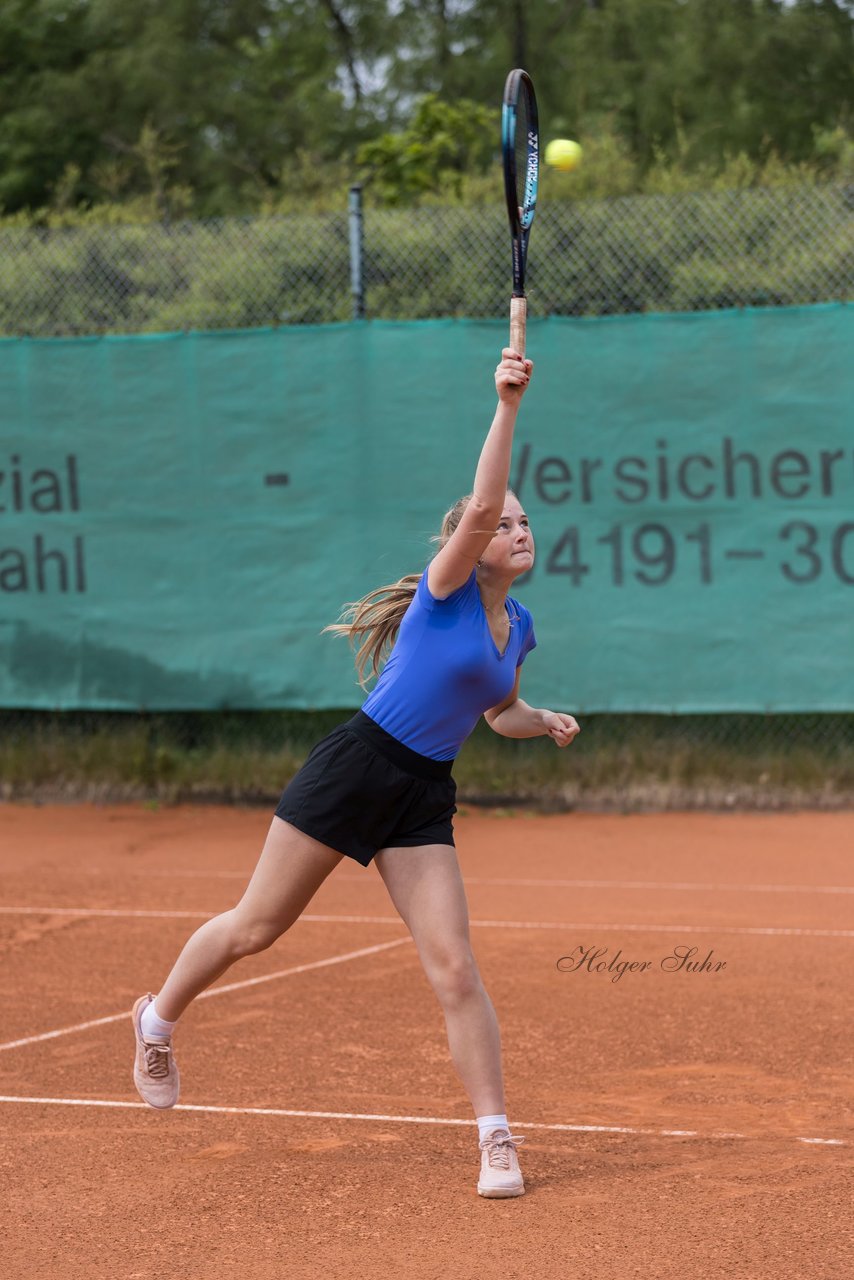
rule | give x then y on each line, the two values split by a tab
357	238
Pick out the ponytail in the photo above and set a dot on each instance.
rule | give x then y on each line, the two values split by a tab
378	615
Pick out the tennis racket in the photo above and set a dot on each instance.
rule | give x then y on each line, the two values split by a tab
520	148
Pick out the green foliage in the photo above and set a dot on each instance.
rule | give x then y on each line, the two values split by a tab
143	278
173	95
683	250
619	762
139	120
199	108
444	142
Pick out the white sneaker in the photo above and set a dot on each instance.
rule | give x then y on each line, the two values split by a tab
155	1071
500	1175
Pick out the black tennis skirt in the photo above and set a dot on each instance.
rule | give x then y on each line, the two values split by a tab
361	790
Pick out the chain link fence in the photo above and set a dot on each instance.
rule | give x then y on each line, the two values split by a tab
623	762
757	247
766	247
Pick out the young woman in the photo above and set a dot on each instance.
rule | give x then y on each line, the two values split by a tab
379	787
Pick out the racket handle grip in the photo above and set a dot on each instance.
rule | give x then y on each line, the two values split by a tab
518	317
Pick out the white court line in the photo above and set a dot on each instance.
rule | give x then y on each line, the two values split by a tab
544	884
350	1115
589	925
119	912
757	930
213	991
665	884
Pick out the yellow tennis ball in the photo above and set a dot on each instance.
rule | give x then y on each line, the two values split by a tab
563	154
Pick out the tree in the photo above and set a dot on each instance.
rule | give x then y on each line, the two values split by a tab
220	106
444	141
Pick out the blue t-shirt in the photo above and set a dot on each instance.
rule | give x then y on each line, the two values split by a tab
445	669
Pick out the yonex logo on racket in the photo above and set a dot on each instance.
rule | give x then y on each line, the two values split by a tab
533	168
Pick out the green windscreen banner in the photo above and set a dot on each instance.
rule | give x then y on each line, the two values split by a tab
182	514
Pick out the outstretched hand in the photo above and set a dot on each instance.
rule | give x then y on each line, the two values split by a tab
561	727
512	376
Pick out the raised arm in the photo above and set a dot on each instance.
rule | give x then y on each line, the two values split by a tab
452	565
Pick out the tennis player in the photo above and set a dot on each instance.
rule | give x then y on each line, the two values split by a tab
379	786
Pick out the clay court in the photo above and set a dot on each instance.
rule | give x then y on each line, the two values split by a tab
677	1122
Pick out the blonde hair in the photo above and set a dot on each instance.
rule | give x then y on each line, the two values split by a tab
378	615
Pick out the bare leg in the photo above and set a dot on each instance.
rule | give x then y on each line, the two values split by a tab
427	889
291	869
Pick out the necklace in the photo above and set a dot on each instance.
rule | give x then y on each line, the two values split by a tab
494	609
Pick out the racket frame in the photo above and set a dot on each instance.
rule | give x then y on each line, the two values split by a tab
517	83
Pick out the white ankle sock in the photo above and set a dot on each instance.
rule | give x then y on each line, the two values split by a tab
487	1123
152	1026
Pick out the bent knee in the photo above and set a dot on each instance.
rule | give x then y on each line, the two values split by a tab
248	937
455	976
